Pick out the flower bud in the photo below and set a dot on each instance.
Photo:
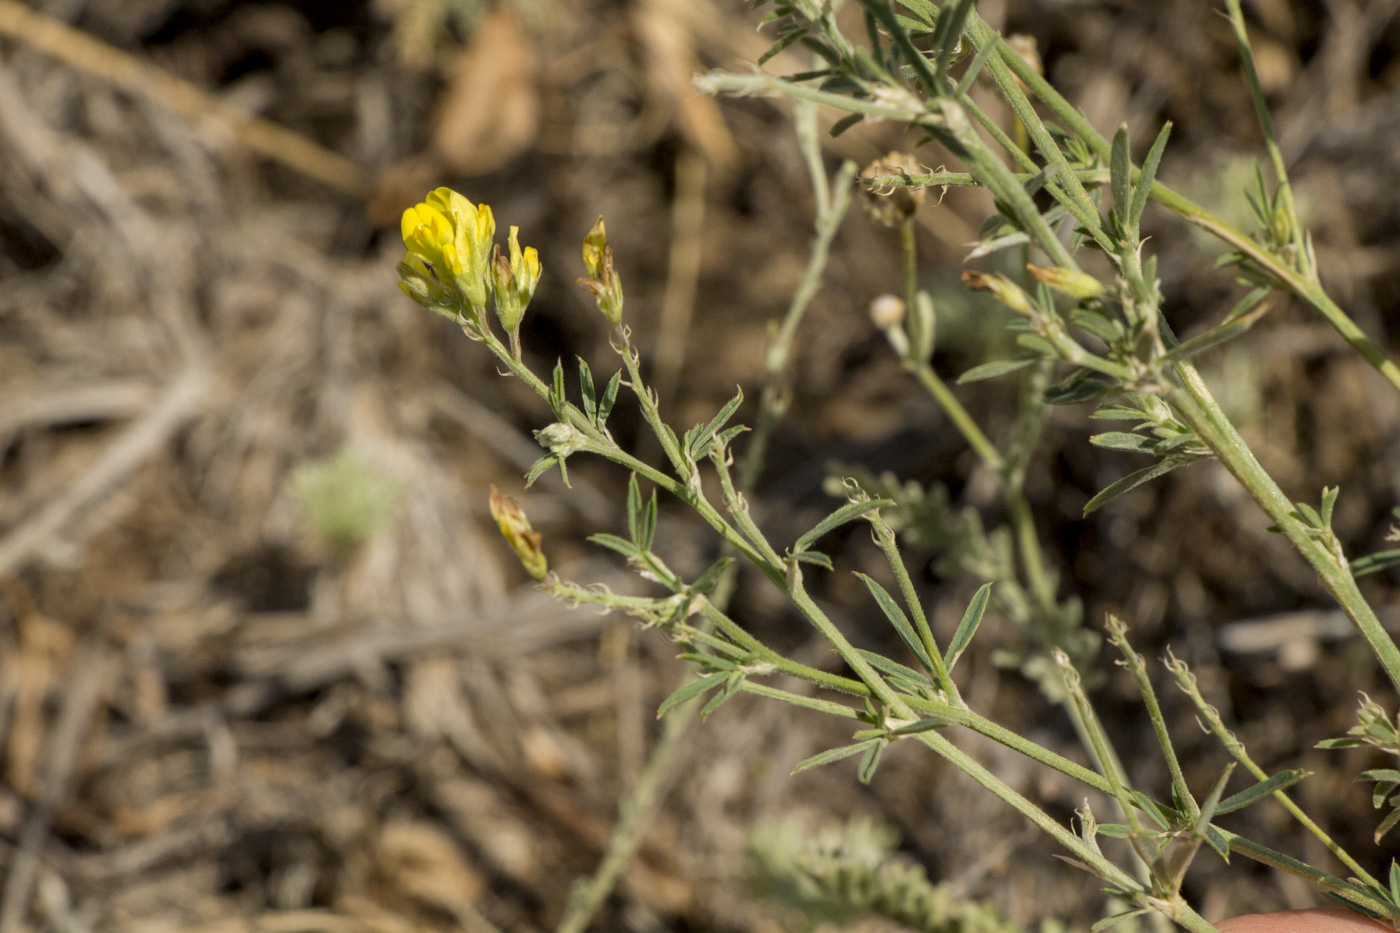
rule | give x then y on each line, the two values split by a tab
560	439
513	281
1003	290
1077	285
602	281
515	527
887	313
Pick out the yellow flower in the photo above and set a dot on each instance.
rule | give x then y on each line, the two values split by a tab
514	281
453	237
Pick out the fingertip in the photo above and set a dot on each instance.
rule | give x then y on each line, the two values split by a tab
1324	920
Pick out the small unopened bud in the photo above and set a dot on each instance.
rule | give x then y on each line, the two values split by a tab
523	539
560	439
887	311
602	281
892	205
1003	290
1077	285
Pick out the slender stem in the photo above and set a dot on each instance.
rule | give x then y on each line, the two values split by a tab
774	399
957	414
1266	123
1204	416
1118	636
1042	820
884	537
1187	681
1333	885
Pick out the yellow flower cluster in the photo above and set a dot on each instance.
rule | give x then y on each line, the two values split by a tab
453	266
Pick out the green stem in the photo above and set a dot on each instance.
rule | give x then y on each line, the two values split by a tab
774	400
1038	817
1204	416
957	414
1333	885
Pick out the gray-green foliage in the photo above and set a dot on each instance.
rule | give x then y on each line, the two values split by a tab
840	872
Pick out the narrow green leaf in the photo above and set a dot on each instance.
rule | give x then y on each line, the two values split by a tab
1263	789
1120	174
613	542
585	383
898	619
1329	502
710	661
1129	483
949	31
1387	825
1308	515
1079	386
1249	302
1147	176
812	557
1122	440
1371	563
1104	328
974	68
1116	919
697	446
1115	830
845	123
833	755
1037	344
1152	809
634	509
996	368
896	670
542	465
1116	413
605	405
869	762
1211	803
731	687
1232	328
967	628
648	523
923	725
777	47
1394	881
557	398
923	9
688	690
822	48
847	513
706	581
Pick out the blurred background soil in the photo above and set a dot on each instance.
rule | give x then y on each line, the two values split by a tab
264	663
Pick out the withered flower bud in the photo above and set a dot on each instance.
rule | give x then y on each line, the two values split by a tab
522	538
1003	290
